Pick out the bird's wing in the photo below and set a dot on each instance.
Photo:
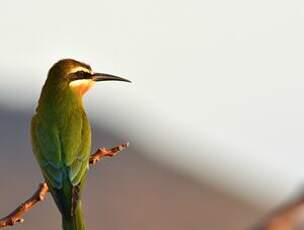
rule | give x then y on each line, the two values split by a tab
76	144
47	149
63	150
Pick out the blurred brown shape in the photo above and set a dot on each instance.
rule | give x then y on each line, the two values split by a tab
289	216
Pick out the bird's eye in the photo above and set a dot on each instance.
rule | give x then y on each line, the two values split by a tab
80	75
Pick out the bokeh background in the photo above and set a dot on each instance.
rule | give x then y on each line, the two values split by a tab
214	114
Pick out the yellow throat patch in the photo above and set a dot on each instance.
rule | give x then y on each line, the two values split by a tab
81	86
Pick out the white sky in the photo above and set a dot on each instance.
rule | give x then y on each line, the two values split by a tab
217	84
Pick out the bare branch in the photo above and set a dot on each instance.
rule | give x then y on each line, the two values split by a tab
16	216
104	152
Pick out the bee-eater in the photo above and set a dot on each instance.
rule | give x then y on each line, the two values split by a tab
61	135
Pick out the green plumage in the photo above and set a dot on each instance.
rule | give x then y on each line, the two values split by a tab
61	140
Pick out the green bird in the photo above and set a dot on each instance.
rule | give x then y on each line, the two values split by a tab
61	135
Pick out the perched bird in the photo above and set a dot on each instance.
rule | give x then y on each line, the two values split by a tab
61	135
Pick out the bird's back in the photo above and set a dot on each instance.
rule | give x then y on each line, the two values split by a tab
61	140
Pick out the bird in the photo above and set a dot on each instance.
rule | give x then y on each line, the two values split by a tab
61	135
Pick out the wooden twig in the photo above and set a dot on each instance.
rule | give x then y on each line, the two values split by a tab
104	152
16	216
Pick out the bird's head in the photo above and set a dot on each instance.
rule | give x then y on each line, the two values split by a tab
78	76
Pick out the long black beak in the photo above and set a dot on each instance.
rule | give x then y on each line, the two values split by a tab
107	77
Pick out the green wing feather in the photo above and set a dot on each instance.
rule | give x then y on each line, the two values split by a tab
62	151
47	149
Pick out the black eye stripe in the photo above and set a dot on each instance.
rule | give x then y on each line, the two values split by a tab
80	75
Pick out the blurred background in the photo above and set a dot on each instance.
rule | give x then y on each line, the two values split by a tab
214	114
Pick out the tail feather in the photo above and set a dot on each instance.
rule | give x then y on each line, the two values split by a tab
75	222
68	202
